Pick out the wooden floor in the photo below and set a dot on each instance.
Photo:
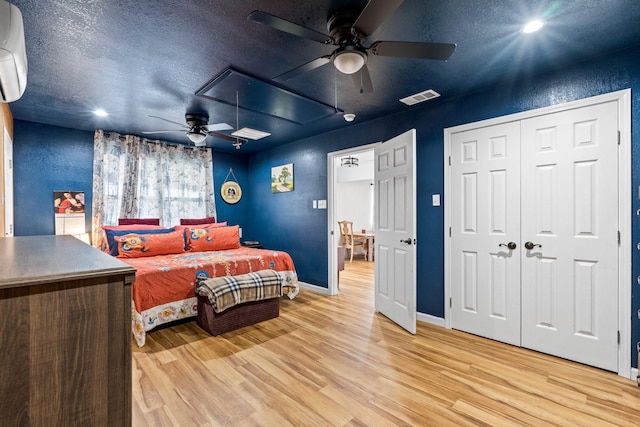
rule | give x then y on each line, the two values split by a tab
333	361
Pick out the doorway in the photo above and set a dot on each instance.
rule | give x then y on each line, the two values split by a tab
350	196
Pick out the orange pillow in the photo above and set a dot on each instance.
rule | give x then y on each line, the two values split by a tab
213	238
208	225
143	245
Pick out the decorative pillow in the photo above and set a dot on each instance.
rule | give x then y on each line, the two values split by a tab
133	227
143	245
213	238
198	221
112	245
204	225
148	221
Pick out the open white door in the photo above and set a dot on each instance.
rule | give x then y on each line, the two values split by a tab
395	244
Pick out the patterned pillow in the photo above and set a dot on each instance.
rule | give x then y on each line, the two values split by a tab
198	221
144	245
213	238
110	234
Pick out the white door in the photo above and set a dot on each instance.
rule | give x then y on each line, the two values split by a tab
8	184
570	282
549	184
485	230
395	245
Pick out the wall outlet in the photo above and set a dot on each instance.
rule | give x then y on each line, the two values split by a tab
240	232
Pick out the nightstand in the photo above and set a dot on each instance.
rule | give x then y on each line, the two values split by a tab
252	244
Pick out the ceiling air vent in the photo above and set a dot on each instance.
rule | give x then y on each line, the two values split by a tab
420	97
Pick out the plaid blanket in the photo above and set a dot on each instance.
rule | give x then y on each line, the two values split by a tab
227	291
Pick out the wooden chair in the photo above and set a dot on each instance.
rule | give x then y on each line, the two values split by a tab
350	242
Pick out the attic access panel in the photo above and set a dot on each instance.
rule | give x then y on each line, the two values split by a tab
264	98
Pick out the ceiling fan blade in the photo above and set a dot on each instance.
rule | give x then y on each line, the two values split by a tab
226	137
439	51
363	80
312	65
217	126
373	15
171	121
163	131
288	27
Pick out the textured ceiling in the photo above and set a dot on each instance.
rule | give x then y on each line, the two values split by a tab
143	58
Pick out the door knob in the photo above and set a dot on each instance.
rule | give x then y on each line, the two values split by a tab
407	241
531	245
510	245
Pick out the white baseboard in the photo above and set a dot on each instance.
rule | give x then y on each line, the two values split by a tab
313	288
634	373
428	318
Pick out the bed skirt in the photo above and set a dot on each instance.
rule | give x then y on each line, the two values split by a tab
236	317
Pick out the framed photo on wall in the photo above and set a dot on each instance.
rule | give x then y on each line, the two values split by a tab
282	178
231	192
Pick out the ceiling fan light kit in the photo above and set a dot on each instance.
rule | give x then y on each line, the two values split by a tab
349	59
197	138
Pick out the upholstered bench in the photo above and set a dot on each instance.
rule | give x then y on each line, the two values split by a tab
232	302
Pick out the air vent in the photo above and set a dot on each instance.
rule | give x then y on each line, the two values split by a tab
420	97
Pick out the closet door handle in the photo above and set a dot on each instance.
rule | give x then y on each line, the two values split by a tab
531	245
510	245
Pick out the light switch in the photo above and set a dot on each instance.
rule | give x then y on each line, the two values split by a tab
322	204
435	198
315	204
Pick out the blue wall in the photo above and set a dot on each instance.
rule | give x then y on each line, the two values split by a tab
286	221
49	158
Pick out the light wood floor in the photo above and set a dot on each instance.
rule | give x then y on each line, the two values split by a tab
333	361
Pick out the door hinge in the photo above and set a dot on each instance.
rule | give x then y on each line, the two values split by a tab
449	231
619	237
618	337
619	137
449	160
450	302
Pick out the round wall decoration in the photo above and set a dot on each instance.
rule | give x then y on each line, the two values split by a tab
230	191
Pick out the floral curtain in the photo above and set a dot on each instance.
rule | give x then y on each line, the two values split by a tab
135	177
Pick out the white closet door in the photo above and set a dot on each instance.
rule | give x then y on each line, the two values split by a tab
485	206
570	208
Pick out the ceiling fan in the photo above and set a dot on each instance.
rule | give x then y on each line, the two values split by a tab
348	30
197	128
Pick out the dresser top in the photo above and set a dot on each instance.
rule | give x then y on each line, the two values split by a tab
35	260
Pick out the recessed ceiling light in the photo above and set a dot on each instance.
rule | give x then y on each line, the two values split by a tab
532	26
100	113
250	133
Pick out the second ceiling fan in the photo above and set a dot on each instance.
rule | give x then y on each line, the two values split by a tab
348	30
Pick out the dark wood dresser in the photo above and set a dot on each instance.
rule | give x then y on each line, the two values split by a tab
65	334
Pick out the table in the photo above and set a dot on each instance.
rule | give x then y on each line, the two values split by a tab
370	238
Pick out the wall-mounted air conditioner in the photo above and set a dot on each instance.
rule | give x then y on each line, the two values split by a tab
13	56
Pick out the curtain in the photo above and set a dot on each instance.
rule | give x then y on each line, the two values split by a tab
134	177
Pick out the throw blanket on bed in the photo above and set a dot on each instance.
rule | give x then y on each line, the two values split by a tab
227	291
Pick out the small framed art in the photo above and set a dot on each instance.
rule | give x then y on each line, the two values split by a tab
231	192
282	178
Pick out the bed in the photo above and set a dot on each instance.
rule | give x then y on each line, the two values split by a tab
164	287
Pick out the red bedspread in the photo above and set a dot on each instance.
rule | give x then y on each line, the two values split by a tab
163	290
166	278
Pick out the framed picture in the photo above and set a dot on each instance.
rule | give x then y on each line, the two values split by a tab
282	178
231	192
